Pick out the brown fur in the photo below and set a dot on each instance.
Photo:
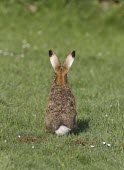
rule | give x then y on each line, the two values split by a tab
61	77
61	109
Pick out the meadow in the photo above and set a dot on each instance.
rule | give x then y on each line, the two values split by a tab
28	29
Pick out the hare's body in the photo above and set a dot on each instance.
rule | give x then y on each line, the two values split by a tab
61	109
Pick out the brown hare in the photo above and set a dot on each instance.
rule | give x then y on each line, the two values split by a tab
61	110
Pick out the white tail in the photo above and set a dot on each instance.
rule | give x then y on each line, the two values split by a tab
63	130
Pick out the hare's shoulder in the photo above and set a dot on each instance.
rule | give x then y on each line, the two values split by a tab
61	92
62	97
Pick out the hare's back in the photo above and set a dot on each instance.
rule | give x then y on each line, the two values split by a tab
62	98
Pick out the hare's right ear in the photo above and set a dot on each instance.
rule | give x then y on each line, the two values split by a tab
54	60
68	61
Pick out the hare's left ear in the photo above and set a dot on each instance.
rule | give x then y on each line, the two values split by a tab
54	61
68	61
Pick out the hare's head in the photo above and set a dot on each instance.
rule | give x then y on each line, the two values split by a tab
61	70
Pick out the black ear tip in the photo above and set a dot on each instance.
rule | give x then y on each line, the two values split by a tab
50	53
73	53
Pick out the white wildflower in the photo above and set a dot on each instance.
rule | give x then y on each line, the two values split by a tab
22	55
39	32
108	144
99	54
27	45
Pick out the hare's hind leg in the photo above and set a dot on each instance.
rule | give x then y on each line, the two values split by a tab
69	120
52	124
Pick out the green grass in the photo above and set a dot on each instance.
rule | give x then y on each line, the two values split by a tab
96	78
